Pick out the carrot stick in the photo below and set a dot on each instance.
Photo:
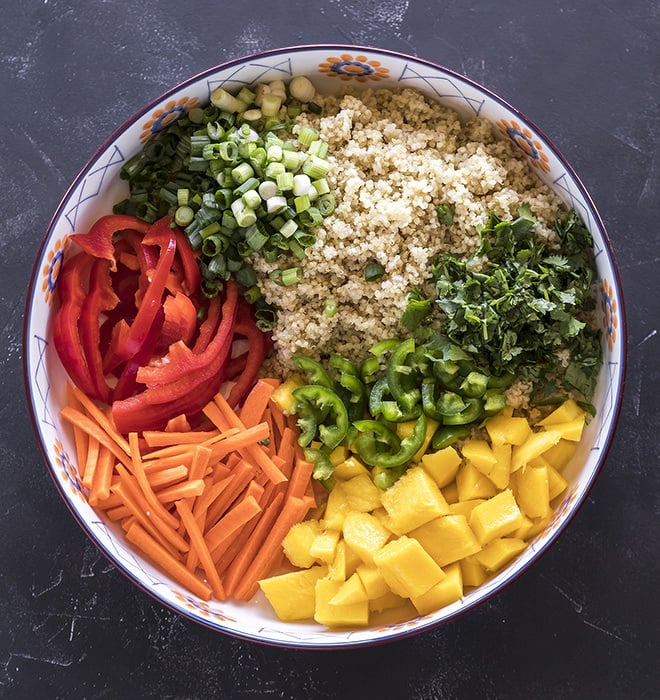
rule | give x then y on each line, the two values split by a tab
100	488
81	441
181	460
219	536
92	458
166	477
178	424
242	476
101	418
293	511
239	565
255	403
161	438
186	490
141	539
197	542
93	429
143	482
300	477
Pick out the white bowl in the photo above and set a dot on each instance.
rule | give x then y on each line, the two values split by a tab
98	186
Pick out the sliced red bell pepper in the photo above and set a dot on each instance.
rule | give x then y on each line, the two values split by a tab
100	298
98	240
209	324
185	253
247	327
66	335
180	321
129	342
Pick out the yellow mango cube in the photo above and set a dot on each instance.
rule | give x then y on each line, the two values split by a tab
464	507
413	500
297	543
445	592
344	564
535	445
471	483
387	601
373	581
351	591
383	518
348	468
362	494
283	394
365	535
479	453
499	552
450	492
501	472
532	491
497	517
566	412
571	430
442	465
556	483
447	539
324	546
472	571
293	595
526	527
405	429
560	454
336	509
407	567
507	429
331	615
539	524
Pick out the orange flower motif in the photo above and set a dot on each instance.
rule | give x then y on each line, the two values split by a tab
360	68
609	308
67	468
51	269
164	116
525	141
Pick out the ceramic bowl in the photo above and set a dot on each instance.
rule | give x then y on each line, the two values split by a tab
98	186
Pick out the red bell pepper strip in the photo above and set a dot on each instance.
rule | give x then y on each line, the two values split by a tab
191	274
100	298
128	343
210	323
195	384
247	327
66	335
180	321
98	240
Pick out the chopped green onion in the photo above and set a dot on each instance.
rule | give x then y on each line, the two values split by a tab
183	216
330	307
301	203
326	204
307	134
284	181
373	271
316	167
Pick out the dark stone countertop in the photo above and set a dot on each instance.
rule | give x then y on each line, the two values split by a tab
585	620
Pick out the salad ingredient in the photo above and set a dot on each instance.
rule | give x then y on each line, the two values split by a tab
427	540
205	508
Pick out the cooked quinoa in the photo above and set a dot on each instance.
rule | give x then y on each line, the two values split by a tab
395	155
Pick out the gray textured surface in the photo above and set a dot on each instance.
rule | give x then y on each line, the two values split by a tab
583	622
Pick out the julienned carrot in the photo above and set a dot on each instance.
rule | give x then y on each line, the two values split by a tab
141	539
213	502
178	424
197	541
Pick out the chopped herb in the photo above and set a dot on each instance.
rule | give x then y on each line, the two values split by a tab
445	214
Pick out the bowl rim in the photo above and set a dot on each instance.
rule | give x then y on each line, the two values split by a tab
396	634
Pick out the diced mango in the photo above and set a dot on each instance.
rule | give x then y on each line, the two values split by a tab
336	508
362	494
532	491
349	468
464	507
566	412
383	517
292	595
450	492
507	429
560	454
571	430
338	455
539	525
407	567
473	572
351	591
471	483
405	429
387	601
344	564
413	500
501	472
283	394
326	613
298	542
365	535
479	453
442	465
535	445
373	581
556	483
497	517
526	526
445	592
324	545
447	539
499	552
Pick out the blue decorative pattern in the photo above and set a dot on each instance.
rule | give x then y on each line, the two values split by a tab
253	72
41	381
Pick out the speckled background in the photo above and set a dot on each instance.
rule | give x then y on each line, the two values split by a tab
585	620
